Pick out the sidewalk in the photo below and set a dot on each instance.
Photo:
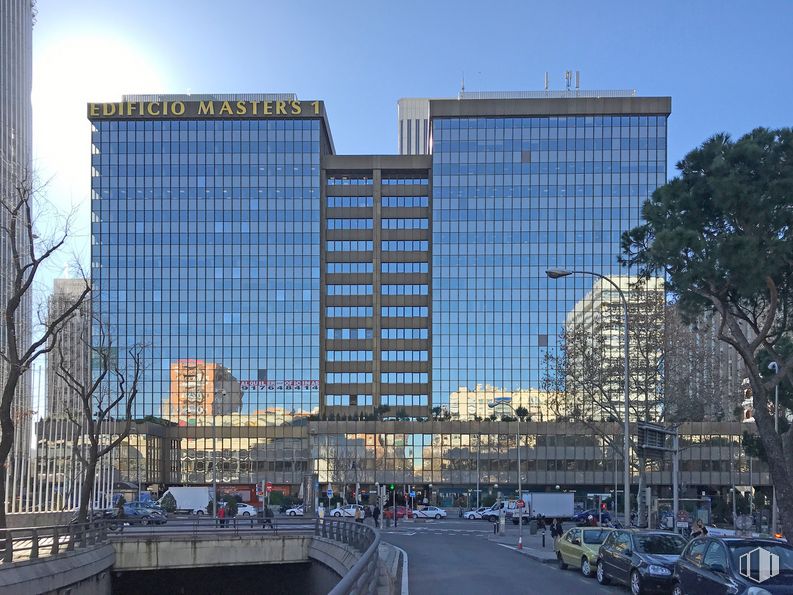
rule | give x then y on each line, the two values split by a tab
532	544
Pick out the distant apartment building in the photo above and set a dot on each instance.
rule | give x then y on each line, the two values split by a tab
594	350
59	433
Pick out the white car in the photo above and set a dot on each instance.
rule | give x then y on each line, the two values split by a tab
246	510
295	511
473	515
348	511
429	512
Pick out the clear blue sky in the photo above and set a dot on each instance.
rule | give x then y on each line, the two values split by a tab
725	64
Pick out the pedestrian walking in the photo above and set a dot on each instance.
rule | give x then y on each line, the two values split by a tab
358	515
376	515
222	516
700	530
268	517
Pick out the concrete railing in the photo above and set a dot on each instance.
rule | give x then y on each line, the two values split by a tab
362	577
31	543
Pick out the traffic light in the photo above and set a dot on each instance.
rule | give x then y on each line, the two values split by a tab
391	487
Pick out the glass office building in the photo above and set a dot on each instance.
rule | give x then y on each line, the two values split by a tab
308	318
520	187
206	255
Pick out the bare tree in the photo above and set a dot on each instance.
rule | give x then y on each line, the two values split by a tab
585	377
29	248
111	387
702	375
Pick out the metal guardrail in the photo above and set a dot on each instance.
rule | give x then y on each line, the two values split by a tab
362	577
31	543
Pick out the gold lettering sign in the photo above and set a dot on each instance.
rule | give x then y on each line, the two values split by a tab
204	109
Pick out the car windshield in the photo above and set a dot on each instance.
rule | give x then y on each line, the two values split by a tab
783	550
660	544
595	536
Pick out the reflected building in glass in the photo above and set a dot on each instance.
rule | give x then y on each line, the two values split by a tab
342	320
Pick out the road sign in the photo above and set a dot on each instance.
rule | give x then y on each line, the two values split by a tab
521	504
412	494
330	493
259	488
268	487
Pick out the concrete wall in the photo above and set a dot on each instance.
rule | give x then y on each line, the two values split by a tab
174	551
84	572
39	519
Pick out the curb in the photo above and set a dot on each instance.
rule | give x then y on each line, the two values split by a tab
538	556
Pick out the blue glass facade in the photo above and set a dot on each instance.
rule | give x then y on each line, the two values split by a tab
513	197
205	250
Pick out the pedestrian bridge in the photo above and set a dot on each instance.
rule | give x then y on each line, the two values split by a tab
34	563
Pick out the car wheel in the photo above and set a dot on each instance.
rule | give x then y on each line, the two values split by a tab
636	583
144	521
337	514
292	513
601	574
586	567
677	589
561	561
246	514
437	517
199	512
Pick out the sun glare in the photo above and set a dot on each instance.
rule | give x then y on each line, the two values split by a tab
68	72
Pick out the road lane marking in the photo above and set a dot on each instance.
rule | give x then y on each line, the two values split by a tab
405	588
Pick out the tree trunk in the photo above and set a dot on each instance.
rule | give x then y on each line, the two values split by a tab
6	436
87	488
641	502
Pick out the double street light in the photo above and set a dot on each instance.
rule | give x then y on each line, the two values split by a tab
626	451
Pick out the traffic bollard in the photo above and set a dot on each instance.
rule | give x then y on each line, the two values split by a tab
543	538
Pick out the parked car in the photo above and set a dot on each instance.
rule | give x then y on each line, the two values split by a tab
429	512
295	511
472	515
139	515
246	510
348	511
711	565
644	560
583	516
151	505
579	547
401	512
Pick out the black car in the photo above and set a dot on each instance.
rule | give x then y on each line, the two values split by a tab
583	516
644	560
712	566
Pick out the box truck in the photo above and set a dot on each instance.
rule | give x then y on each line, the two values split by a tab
551	505
190	500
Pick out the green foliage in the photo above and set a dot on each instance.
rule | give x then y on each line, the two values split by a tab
487	500
522	412
231	505
723	227
168	503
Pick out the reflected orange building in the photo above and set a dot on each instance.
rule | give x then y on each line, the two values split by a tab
200	389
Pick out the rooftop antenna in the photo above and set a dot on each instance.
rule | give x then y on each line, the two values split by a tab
462	85
577	80
546	80
568	79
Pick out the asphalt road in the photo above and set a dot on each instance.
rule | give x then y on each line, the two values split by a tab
452	556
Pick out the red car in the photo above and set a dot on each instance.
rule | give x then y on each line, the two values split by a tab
401	511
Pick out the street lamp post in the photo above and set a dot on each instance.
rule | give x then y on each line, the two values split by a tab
775	367
557	274
215	455
496	403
